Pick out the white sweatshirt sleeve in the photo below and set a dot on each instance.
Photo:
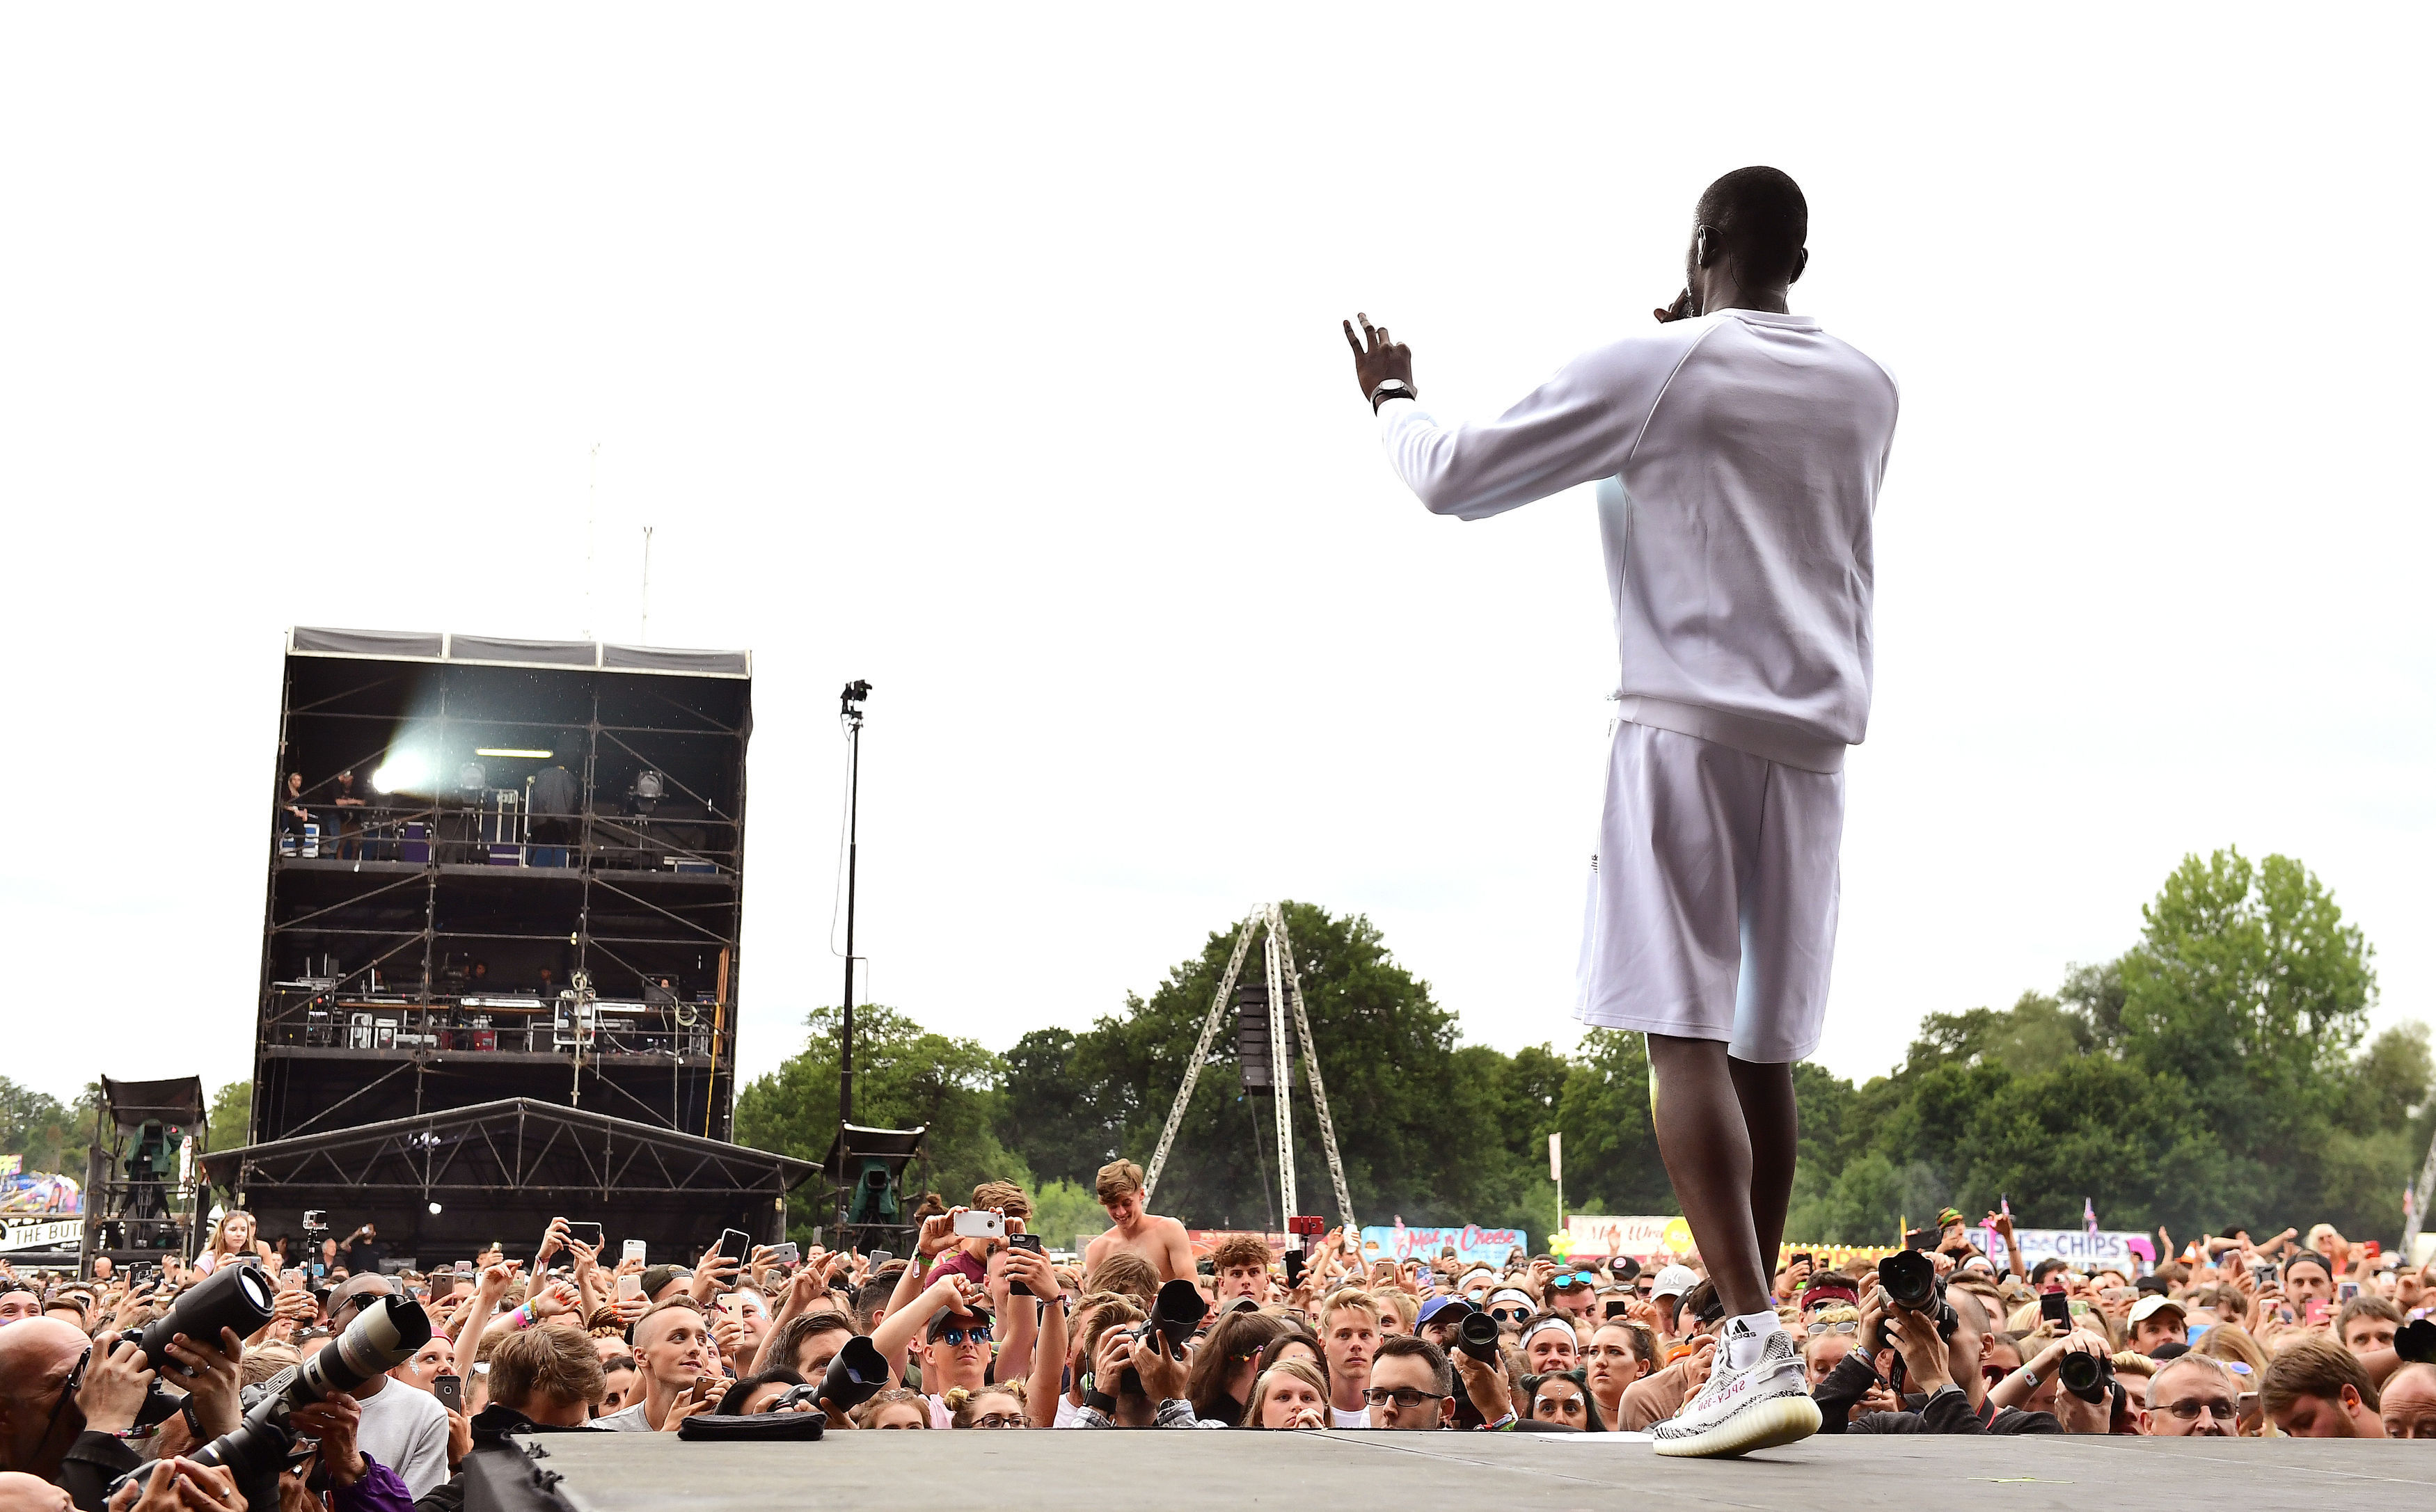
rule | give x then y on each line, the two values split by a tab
1580	425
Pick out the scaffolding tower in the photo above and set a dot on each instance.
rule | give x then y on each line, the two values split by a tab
1266	1051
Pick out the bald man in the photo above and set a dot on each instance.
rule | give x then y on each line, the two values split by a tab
60	1438
2408	1406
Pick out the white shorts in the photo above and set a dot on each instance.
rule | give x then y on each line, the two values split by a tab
1713	896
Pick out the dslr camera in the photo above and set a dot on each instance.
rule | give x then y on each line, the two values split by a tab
234	1296
1911	1282
383	1336
1174	1316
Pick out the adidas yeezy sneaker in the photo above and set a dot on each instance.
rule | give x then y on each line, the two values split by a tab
1762	1406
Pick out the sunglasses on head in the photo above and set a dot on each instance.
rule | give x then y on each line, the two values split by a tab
1566	1283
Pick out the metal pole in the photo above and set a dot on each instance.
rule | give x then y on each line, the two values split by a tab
1281	1057
853	797
643	633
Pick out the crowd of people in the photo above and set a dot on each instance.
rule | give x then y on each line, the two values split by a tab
981	1328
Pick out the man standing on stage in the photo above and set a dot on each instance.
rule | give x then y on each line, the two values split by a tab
1738	451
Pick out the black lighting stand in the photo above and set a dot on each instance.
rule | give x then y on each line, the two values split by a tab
850	714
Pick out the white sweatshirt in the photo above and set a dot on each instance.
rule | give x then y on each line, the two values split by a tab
1740	454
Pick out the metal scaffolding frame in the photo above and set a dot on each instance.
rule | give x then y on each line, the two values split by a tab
473	1171
1285	990
410	892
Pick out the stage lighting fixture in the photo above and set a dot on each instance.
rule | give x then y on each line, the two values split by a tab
435	1210
399	772
470	776
509	750
648	784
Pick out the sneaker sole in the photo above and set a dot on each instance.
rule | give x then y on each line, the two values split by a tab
1763	1425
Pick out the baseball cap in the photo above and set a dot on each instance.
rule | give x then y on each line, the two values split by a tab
2148	1306
656	1276
1674	1281
1238	1304
1436	1305
1623	1267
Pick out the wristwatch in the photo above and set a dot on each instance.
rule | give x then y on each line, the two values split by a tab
1391	389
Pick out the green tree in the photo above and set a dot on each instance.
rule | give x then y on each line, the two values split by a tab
2210	1075
1416	1121
232	1117
49	1135
904	1077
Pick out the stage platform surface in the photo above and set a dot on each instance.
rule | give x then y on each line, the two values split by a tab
1151	1470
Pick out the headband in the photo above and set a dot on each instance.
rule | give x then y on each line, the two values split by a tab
1561	1324
1528	1301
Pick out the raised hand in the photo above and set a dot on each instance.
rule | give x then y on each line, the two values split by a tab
1381	360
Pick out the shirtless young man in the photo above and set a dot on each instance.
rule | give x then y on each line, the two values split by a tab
1737	450
1159	1241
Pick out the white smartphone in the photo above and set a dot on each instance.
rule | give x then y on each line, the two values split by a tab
629	1285
979	1222
634	1249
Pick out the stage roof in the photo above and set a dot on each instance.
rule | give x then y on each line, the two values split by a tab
498	651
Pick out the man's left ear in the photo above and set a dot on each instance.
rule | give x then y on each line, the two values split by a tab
1800	261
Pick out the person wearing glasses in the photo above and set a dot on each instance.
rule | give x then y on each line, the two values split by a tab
1510	1308
1574	1293
1413	1386
402	1428
2192	1396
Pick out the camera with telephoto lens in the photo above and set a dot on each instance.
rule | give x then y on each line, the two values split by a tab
857	1373
383	1336
234	1296
2089	1377
1476	1336
1175	1315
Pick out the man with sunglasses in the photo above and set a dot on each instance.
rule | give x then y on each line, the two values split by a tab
956	1351
2192	1396
1510	1308
402	1428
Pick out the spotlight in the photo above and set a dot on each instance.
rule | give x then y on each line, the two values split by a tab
470	776
647	784
399	772
435	1210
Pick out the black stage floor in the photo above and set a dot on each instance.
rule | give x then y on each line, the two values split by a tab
1154	1471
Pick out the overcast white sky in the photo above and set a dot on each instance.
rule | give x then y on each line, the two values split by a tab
992	355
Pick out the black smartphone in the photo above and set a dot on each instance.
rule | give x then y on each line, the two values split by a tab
451	1392
1293	1269
1617	1308
2054	1306
586	1234
1920	1239
1798	1260
1032	1243
734	1243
